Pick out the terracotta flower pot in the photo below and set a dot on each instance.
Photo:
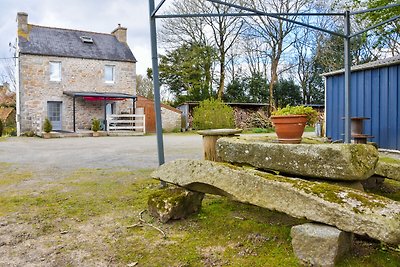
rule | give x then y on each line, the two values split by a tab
289	128
46	135
96	134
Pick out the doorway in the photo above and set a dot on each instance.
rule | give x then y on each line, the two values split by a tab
54	114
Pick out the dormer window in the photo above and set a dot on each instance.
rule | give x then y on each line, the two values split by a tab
87	39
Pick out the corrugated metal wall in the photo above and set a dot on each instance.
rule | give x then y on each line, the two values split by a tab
375	93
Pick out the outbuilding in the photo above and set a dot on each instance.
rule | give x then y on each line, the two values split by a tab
375	98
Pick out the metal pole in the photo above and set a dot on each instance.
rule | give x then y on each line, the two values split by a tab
73	111
347	79
105	114
156	83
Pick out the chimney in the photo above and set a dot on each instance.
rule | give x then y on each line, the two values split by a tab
22	19
120	33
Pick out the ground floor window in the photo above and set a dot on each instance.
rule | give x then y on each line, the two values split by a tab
54	109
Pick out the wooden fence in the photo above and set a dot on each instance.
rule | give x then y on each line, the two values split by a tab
126	122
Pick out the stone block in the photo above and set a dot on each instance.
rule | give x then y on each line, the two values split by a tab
320	245
174	203
388	167
344	162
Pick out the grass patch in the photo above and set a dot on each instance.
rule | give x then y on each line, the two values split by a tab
309	129
389	160
224	233
9	176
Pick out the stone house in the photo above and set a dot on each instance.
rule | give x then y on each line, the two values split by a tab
71	76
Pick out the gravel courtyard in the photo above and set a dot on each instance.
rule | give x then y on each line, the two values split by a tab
128	152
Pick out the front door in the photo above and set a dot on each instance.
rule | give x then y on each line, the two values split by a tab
54	114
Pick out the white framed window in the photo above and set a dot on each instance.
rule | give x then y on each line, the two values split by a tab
109	73
55	71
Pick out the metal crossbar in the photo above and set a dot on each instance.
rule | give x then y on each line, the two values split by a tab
253	12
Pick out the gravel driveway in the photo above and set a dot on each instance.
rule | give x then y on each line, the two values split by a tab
128	152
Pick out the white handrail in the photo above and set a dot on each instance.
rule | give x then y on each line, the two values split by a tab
126	122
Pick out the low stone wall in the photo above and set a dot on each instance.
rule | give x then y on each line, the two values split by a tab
171	119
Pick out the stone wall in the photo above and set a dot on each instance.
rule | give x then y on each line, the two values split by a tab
171	119
77	75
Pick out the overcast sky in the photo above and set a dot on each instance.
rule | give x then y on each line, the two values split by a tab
90	15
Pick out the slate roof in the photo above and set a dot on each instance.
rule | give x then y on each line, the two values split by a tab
67	43
370	65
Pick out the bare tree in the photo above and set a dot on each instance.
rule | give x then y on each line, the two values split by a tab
144	86
220	32
275	33
175	32
7	71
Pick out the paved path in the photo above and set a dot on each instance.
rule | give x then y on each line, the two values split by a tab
133	152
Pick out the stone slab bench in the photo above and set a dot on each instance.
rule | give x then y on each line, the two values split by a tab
347	209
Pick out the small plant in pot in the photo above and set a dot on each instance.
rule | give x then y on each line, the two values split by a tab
290	121
95	127
47	127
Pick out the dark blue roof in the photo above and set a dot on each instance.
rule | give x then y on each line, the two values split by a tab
67	43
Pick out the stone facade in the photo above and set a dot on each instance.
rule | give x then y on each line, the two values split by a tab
171	119
77	75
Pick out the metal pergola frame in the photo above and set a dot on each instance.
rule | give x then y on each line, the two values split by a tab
245	12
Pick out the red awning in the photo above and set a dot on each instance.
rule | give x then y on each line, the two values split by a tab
99	98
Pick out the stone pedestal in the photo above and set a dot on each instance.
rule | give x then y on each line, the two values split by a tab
320	245
210	138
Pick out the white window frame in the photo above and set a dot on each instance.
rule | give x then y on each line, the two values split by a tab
112	67
55	65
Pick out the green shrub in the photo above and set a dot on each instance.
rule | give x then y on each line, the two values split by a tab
95	125
312	114
10	131
1	127
47	126
213	114
29	134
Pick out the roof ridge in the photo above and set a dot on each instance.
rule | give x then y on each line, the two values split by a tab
65	29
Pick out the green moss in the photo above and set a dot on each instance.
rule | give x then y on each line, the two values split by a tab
389	160
389	189
24	34
370	201
329	192
174	196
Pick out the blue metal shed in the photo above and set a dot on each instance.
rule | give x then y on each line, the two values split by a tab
375	94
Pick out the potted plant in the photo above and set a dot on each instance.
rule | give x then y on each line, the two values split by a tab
47	127
95	127
290	121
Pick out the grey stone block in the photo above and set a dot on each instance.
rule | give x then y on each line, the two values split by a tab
174	203
320	245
